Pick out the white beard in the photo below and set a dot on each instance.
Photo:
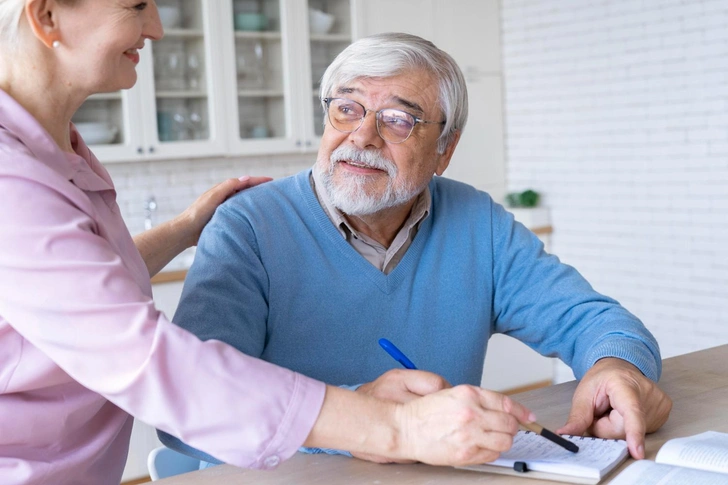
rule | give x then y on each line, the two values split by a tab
351	196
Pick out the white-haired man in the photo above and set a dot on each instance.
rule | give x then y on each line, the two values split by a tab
310	271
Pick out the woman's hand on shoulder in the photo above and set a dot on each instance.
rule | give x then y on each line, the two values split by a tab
197	215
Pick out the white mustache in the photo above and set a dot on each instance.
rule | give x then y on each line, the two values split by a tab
370	158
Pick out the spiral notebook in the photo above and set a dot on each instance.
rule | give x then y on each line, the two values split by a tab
548	461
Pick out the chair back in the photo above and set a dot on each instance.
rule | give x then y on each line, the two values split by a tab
164	462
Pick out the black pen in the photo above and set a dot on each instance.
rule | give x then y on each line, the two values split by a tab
551	436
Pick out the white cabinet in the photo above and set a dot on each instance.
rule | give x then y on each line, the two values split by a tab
230	77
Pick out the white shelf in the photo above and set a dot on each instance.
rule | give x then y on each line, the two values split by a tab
183	33
244	34
180	94
330	38
260	93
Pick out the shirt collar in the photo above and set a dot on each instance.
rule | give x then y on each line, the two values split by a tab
83	168
420	210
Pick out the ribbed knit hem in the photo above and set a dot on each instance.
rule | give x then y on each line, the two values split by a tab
626	348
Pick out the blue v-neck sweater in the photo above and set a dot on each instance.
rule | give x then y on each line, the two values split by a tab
273	277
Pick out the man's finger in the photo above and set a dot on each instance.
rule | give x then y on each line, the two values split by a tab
627	403
422	383
581	416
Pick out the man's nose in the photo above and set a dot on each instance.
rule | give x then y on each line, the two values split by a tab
367	134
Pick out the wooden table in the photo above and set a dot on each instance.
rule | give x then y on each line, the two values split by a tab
697	383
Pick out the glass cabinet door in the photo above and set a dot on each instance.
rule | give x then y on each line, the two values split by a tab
100	120
262	108
330	32
181	85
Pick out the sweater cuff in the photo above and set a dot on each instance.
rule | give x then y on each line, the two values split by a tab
631	350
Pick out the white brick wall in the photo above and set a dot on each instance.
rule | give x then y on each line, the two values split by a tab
617	111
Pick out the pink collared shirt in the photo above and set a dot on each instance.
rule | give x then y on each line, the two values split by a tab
81	344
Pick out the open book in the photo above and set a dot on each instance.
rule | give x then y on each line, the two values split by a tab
700	459
548	461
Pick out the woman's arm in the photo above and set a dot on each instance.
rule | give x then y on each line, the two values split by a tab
162	243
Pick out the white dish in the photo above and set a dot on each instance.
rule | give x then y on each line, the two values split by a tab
94	133
320	22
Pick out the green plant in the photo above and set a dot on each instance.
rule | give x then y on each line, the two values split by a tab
527	198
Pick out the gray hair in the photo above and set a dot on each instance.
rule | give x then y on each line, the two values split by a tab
391	54
10	14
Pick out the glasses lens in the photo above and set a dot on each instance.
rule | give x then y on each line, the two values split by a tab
345	115
395	126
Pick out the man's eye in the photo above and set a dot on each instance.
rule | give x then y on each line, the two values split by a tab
396	121
140	6
347	110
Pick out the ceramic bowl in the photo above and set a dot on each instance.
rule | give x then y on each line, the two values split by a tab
251	21
95	133
170	16
320	22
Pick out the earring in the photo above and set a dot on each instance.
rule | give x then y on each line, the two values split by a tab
56	44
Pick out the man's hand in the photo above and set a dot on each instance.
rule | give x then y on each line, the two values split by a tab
401	386
614	400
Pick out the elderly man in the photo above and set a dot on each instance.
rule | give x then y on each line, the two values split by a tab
308	272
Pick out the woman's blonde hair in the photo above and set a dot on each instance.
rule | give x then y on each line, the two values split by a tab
10	13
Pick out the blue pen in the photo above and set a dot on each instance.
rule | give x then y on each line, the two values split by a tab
396	353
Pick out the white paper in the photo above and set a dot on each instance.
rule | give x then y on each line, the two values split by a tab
595	458
645	472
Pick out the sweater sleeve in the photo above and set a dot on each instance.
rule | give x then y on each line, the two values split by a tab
224	296
68	293
549	306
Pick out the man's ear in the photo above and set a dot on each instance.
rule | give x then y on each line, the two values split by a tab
41	19
444	161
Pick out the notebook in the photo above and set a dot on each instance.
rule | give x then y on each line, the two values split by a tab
699	459
548	461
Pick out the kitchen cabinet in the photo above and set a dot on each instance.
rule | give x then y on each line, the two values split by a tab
230	77
175	109
273	75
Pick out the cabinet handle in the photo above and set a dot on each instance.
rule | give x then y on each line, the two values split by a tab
308	143
151	149
298	143
140	150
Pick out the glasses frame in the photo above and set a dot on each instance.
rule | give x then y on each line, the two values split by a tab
377	115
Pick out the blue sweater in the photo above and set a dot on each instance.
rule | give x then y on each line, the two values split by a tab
273	277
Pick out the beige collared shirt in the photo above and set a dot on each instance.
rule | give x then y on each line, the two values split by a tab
386	259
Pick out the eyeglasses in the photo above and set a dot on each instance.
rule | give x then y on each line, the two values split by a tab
393	125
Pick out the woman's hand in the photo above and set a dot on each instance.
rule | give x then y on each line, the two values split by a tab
464	425
161	243
196	216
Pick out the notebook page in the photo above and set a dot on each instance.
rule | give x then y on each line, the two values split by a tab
645	472
595	458
706	451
